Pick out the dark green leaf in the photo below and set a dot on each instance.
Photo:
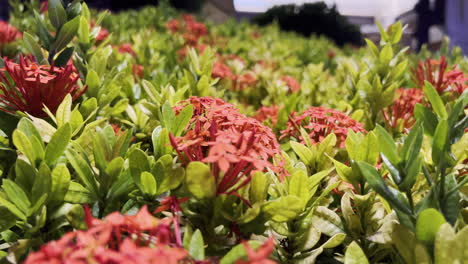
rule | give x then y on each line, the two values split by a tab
450	204
440	141
387	145
57	14
374	179
64	57
33	47
66	34
427	118
16	195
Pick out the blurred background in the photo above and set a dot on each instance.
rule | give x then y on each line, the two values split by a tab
344	21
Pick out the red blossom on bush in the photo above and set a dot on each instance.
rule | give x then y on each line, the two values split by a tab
436	73
173	25
118	239
402	109
222	71
235	145
127	48
138	70
291	83
28	86
267	114
319	122
8	33
261	255
190	28
44	6
245	80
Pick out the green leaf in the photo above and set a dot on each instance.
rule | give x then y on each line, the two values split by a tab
93	82
77	194
304	153
7	220
411	174
197	246
440	141
83	170
387	145
58	144
258	187
16	195
42	31
43	182
33	47
284	208
168	117
327	221
24	145
64	56
83	31
12	208
405	241
446	250
374	179
200	181
25	174
450	204
297	186
334	241
394	171
151	91
436	101
428	224
66	34
60	182
57	14
138	163
412	146
148	183
182	120
427	118
238	252
355	255
64	111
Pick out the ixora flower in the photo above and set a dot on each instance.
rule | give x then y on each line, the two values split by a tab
319	122
292	84
8	33
222	71
267	114
126	48
442	79
118	239
401	111
261	255
235	145
28	86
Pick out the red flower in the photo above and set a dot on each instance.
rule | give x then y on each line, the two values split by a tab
102	34
138	70
403	107
262	254
436	73
173	25
267	114
291	83
319	122
8	33
127	48
222	71
138	239
44	6
27	86
232	143
245	80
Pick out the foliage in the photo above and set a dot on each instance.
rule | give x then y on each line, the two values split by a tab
149	135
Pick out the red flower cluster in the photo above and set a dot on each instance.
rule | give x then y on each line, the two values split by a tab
191	30
126	48
245	80
291	83
222	71
262	254
319	122
436	73
267	114
234	144
138	70
403	107
138	239
8	33
28	86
